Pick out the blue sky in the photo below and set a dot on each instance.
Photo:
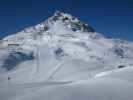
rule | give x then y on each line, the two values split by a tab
113	18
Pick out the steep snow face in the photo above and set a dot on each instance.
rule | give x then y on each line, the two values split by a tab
63	46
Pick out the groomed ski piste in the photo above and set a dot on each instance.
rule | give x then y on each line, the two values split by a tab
63	58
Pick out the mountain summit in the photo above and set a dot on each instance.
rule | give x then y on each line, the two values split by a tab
67	20
59	23
71	22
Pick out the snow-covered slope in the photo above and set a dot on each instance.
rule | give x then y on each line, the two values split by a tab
67	52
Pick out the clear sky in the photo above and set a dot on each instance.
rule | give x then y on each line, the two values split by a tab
114	18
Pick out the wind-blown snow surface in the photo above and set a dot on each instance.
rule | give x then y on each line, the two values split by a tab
65	59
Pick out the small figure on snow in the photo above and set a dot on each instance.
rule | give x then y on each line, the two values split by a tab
9	78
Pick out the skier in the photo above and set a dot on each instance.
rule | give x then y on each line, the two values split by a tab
9	78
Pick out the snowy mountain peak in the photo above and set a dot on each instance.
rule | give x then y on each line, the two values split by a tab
71	22
59	24
64	19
